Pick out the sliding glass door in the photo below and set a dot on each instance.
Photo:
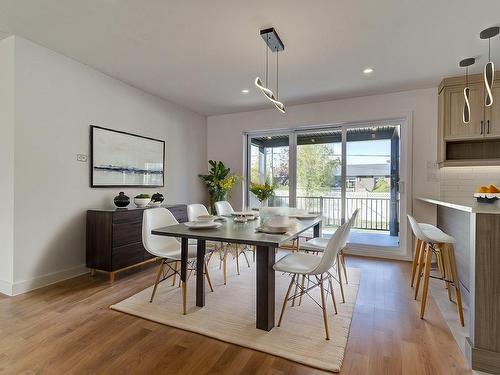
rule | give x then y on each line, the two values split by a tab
269	161
319	175
333	171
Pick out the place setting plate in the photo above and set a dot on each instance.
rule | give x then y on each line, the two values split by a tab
272	230
203	225
303	216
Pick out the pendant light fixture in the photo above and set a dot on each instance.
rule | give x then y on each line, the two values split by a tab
465	63
273	43
489	68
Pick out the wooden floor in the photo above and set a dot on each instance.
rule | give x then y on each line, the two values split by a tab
69	329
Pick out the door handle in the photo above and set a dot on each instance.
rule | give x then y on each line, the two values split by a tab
482	123
488	127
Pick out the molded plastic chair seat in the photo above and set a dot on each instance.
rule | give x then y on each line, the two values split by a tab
316	244
174	254
301	263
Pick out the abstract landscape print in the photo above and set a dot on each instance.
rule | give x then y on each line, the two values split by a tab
124	159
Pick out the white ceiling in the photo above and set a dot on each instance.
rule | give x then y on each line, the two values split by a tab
200	54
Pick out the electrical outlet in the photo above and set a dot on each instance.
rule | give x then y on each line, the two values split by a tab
81	157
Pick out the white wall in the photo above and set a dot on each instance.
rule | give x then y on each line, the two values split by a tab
225	132
6	163
56	99
461	182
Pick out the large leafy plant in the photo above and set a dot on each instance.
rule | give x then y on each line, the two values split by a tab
220	181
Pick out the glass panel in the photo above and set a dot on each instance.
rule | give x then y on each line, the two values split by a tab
319	182
269	162
372	173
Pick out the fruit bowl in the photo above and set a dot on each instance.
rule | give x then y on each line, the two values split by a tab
487	194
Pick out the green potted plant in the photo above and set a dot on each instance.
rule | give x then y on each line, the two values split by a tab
262	191
142	200
220	181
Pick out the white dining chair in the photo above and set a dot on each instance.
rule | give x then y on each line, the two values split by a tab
224	208
316	269
168	249
319	244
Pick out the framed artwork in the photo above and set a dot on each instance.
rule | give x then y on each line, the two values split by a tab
120	159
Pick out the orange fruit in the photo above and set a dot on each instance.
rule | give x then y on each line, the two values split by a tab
483	189
494	189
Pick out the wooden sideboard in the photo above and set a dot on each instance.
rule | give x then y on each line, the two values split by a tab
114	238
475	143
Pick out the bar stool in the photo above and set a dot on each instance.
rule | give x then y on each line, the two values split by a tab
419	247
435	241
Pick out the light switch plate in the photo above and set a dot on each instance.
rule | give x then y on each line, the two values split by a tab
81	157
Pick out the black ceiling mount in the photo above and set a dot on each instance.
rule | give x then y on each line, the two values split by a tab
490	32
272	39
467	62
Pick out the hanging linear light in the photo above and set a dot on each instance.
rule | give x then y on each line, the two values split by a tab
489	68
273	43
465	63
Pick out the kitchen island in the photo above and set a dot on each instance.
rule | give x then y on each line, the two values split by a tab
476	229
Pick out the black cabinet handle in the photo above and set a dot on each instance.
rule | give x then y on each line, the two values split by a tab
482	123
488	128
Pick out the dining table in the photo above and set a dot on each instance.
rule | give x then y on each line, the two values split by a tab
246	233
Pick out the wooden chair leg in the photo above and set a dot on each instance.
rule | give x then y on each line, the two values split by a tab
184	295
456	282
207	275
302	289
175	273
323	304
416	256
425	289
333	295
420	267
285	300
158	275
340	280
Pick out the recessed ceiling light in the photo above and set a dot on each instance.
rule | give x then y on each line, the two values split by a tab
245	91
368	70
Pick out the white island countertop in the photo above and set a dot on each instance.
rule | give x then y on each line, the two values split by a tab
464	204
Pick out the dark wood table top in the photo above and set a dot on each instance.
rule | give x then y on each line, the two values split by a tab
244	233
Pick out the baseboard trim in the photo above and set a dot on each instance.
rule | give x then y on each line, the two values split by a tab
51	278
5	288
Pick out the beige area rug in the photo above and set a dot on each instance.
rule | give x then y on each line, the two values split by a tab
229	315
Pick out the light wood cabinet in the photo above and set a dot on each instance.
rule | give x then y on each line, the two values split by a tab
454	101
492	114
475	143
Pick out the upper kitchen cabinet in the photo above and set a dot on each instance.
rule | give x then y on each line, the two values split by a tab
492	113
475	143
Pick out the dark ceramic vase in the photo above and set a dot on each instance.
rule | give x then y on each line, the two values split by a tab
157	198
121	200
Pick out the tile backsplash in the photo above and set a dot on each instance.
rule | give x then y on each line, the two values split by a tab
461	182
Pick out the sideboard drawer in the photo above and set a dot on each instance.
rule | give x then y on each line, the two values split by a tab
127	255
126	233
125	216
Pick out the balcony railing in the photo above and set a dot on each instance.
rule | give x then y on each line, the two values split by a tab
373	211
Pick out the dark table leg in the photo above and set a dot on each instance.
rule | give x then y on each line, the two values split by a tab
200	278
265	287
184	260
